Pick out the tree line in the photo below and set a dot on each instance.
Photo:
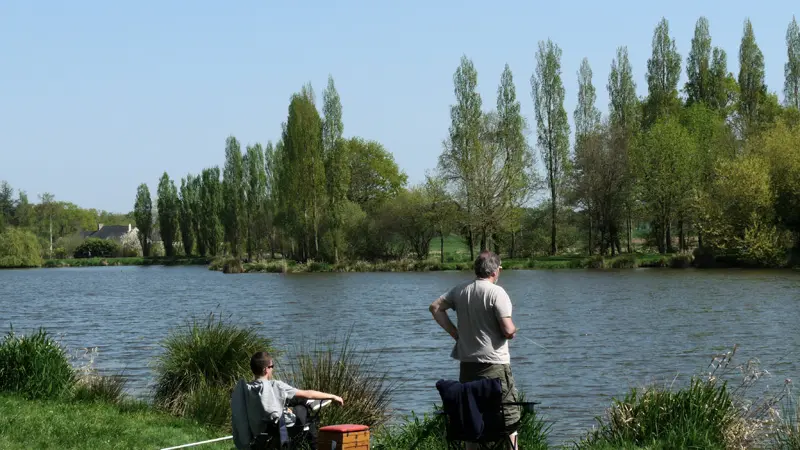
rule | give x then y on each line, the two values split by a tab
713	165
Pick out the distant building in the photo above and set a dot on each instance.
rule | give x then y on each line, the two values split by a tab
115	232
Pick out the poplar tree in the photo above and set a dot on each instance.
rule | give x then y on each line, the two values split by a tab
663	72
233	195
255	197
551	124
167	204
753	90
791	87
143	216
459	160
698	66
335	156
185	214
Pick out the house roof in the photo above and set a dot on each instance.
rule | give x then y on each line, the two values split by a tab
110	231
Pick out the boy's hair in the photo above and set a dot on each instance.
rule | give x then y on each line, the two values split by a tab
259	362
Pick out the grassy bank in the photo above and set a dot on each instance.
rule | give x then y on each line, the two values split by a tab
51	424
229	265
134	261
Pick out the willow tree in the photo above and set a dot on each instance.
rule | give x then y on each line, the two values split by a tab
552	125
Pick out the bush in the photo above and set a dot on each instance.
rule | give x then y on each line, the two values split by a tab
206	355
681	261
699	416
94	247
232	265
347	373
761	246
624	262
19	248
596	262
100	388
34	366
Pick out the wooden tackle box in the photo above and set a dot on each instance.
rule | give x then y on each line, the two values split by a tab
344	437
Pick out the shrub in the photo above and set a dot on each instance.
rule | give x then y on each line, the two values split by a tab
34	366
94	247
787	434
19	248
624	262
232	265
596	262
203	355
100	388
761	246
681	260
698	416
348	373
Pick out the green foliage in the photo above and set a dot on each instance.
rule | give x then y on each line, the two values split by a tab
211	208
552	125
698	416
257	221
209	355
753	90
34	366
19	248
168	205
681	260
233	193
791	87
344	370
761	246
100	388
663	72
94	247
143	215
186	217
374	174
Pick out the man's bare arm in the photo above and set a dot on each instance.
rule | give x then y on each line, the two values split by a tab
439	310
317	395
508	328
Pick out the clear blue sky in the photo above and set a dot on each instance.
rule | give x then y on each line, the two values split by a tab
99	96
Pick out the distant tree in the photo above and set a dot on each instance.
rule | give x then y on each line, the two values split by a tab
552	125
256	198
211	207
337	170
375	176
168	210
143	216
792	69
185	214
753	90
233	195
663	73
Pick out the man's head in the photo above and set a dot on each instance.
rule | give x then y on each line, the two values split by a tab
261	364
487	266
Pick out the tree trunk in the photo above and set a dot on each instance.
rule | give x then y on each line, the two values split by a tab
669	235
700	239
630	231
553	248
441	248
471	245
513	243
681	236
591	235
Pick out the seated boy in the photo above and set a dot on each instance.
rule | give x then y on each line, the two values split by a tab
259	404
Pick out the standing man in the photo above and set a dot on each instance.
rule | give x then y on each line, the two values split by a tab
483	312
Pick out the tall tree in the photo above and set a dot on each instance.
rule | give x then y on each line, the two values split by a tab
196	206
698	66
587	116
336	162
552	124
753	91
303	171
233	194
23	212
211	201
623	105
185	213
272	199
791	87
458	161
6	203
663	72
168	210
723	89
47	200
143	216
256	198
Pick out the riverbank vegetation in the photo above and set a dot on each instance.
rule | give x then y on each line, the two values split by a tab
201	361
710	168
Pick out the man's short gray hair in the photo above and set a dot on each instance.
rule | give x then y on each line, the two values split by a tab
486	264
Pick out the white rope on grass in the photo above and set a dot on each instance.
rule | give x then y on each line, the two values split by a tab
198	443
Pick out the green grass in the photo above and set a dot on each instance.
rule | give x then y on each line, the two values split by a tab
52	424
131	261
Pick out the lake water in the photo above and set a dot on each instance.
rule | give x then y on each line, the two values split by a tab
602	331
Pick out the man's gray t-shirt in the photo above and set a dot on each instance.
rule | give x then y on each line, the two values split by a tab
479	306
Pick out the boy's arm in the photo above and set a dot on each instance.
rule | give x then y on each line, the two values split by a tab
317	395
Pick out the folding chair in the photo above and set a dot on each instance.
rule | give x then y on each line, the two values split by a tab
474	412
280	436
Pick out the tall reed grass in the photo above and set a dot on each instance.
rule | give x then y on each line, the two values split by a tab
35	366
341	368
200	365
